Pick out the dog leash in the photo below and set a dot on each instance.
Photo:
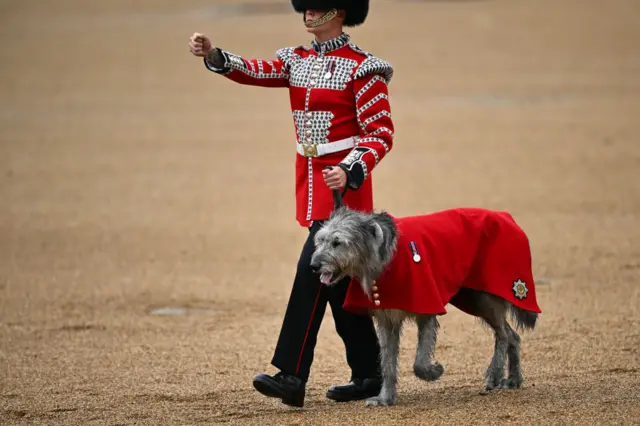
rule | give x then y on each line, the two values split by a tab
337	197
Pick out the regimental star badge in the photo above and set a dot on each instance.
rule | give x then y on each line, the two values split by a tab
520	289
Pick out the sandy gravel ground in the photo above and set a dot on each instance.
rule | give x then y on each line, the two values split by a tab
131	179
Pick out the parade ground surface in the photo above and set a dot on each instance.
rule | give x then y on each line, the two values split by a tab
147	232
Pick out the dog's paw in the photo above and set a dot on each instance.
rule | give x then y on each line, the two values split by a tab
492	381
430	373
511	383
489	387
486	390
378	401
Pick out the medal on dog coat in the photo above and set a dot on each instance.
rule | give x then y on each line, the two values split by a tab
439	253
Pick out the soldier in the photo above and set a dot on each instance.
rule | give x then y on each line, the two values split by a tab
342	117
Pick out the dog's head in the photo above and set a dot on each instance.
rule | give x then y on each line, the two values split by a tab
346	245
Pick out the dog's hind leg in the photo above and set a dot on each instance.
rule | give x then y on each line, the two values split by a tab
514	380
492	310
389	328
424	368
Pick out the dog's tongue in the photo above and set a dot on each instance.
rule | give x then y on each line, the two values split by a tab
325	278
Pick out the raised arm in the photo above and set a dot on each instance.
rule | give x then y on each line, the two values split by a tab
374	116
254	72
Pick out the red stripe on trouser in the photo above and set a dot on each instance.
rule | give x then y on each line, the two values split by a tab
308	327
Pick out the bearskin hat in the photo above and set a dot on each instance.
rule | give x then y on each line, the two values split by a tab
356	11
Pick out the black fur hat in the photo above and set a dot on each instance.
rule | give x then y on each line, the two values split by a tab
356	11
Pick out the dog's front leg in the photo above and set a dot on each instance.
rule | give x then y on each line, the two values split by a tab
424	367
389	337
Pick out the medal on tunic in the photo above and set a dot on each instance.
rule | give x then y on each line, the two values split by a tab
331	66
414	250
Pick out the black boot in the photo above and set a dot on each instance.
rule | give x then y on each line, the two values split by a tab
284	386
356	390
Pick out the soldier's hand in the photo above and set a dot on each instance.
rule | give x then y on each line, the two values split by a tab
335	178
200	45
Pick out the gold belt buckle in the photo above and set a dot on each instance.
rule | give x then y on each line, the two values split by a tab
310	149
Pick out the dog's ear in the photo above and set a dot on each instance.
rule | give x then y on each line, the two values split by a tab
376	230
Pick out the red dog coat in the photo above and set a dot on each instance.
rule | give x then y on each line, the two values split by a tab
439	253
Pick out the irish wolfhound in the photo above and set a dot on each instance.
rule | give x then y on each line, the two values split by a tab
409	268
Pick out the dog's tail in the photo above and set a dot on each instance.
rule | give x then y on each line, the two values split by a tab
524	320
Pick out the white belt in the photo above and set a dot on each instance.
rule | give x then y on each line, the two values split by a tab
318	150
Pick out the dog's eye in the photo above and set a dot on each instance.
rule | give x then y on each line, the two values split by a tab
335	243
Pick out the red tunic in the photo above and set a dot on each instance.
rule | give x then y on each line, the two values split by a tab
466	247
337	91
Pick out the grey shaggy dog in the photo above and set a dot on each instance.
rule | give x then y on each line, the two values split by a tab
361	245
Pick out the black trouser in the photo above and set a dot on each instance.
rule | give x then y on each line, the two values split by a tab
305	311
